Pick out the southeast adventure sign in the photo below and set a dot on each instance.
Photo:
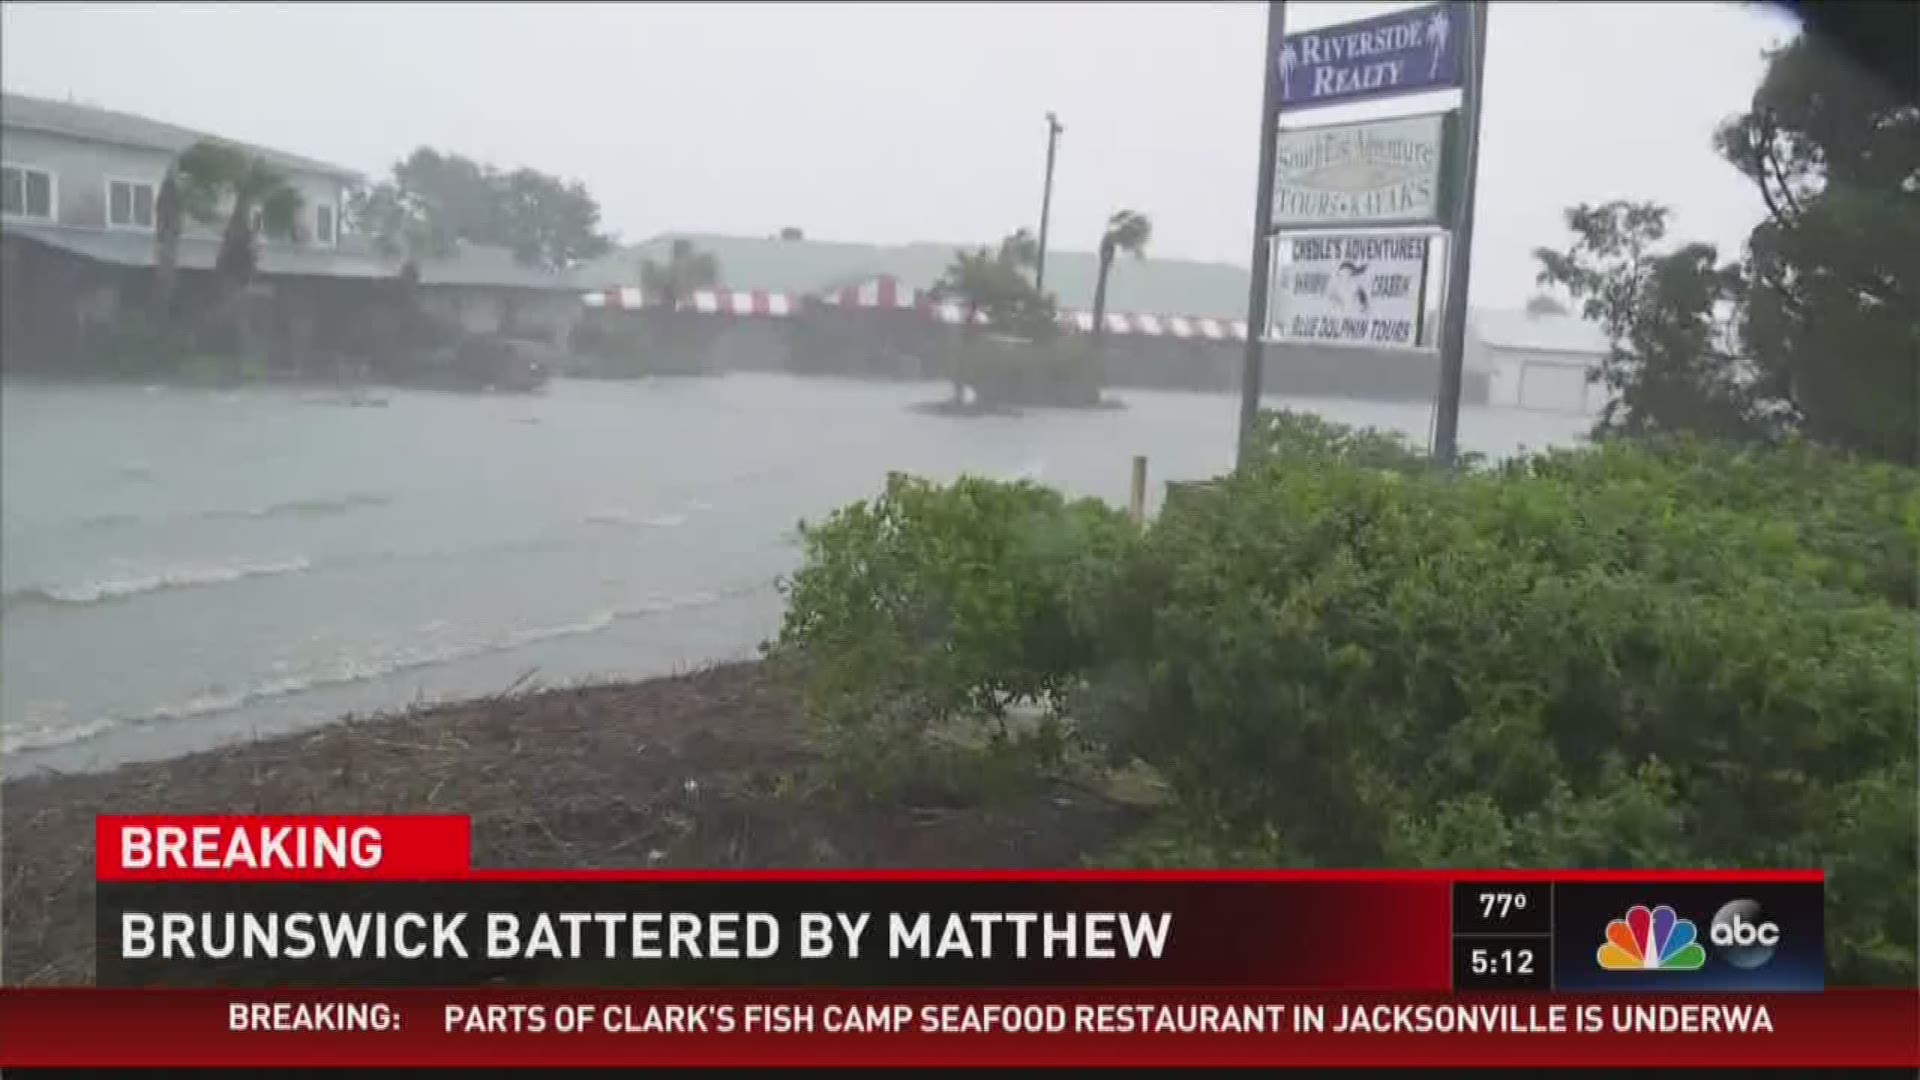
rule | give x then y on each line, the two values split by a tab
1380	172
1403	53
1352	290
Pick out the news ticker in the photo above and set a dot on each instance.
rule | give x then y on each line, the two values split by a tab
365	941
546	1028
396	902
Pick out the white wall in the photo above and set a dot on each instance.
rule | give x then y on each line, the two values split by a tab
82	167
1549	382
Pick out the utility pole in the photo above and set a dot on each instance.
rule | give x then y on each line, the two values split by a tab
1252	372
1453	324
1046	204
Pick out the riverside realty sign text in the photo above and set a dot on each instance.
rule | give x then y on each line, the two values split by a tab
1407	52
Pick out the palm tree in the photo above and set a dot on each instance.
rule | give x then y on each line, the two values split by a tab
685	271
1128	231
166	244
994	281
212	180
1021	250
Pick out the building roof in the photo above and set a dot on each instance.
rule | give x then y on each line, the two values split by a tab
485	264
1545	332
1162	286
472	265
126	129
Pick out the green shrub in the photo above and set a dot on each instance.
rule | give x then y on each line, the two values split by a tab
935	603
1570	663
1862	517
1635	656
1059	371
1284	436
140	346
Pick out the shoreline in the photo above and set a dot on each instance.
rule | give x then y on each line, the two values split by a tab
707	769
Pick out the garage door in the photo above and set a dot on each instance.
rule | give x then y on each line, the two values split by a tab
1555	387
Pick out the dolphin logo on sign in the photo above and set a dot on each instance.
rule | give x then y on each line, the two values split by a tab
1350	286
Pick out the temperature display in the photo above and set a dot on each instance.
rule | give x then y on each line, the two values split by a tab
1502	936
1502	908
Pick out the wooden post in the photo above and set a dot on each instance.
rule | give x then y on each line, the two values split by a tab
1137	501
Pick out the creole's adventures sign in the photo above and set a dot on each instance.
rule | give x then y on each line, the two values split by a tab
1351	290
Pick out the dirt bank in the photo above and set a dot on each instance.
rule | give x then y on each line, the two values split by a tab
708	769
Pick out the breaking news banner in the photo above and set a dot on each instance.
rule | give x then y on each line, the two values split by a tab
360	941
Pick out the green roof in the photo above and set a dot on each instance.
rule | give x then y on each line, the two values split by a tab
1148	286
127	129
471	265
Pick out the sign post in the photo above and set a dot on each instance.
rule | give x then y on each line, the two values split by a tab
1398	172
1252	373
1453	325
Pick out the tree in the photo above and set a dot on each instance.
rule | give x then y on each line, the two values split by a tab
1832	322
1815	330
433	201
1545	305
549	222
215	182
686	270
1664	313
399	223
166	243
1128	231
993	283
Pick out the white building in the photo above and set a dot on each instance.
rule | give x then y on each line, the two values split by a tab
1538	361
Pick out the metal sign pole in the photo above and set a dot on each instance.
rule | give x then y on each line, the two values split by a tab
1453	326
1252	375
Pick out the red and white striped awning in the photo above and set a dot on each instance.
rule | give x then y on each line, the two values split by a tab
888	294
883	293
704	301
1175	326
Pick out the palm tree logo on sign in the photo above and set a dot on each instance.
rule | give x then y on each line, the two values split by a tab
1438	28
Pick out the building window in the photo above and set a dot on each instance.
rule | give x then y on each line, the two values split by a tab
323	224
26	192
130	204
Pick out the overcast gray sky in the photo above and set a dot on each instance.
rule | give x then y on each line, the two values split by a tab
913	121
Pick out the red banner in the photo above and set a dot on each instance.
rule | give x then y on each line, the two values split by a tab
242	848
267	848
467	1028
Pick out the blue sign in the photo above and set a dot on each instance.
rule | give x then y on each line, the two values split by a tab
1405	53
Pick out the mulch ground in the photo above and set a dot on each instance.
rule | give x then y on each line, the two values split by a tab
708	769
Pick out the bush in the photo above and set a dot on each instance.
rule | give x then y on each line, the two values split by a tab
1548	665
1636	656
1859	518
140	346
1284	436
1003	370
934	603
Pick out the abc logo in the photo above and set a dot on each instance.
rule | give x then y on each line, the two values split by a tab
1742	936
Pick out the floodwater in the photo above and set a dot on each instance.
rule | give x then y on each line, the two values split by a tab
187	568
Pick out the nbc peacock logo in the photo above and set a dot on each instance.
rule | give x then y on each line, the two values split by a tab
1652	939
